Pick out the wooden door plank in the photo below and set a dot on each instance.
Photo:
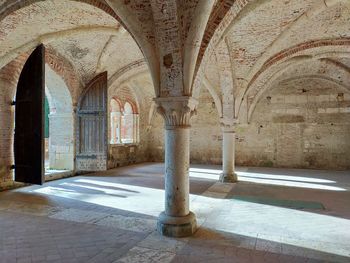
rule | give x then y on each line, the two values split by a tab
29	120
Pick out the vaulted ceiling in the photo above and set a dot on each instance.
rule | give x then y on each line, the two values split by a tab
239	48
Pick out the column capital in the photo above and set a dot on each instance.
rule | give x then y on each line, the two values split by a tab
228	125
176	111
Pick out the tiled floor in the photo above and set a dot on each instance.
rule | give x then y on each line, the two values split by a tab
111	217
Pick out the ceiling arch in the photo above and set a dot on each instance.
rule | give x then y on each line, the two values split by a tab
305	68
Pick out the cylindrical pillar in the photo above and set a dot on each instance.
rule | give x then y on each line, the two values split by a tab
118	128
228	157
177	220
177	171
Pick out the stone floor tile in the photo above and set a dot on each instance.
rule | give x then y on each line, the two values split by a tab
42	224
145	255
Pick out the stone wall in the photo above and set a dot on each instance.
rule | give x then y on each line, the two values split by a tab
126	154
301	123
295	125
123	155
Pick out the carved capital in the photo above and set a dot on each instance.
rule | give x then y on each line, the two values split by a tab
228	125
176	111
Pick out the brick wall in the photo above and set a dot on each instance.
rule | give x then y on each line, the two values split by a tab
8	82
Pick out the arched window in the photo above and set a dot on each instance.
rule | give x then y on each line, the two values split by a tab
124	123
128	124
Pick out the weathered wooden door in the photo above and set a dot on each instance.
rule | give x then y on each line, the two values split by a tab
92	126
29	120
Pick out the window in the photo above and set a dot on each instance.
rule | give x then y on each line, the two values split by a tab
124	122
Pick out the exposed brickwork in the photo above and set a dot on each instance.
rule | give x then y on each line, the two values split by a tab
123	95
130	67
221	8
257	82
282	55
8	82
241	45
66	71
12	5
9	76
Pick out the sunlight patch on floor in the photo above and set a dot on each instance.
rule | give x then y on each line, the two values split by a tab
271	179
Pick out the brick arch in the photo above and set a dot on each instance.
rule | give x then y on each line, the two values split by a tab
292	51
14	5
297	52
133	105
224	12
12	71
276	75
117	100
334	81
133	66
66	71
125	94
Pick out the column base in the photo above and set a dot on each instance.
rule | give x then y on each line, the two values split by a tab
182	226
228	178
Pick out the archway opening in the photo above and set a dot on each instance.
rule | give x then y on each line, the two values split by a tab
124	122
59	125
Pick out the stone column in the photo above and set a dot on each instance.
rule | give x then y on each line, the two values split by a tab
228	155
118	116
177	220
135	128
115	127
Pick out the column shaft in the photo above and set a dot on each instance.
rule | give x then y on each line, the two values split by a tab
177	220
228	157
177	171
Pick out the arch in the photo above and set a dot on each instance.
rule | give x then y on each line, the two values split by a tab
124	120
129	125
280	62
146	42
223	15
127	92
136	65
116	10
14	5
301	77
131	106
293	51
47	38
61	122
196	32
275	77
279	42
220	10
128	109
214	95
66	71
115	106
59	95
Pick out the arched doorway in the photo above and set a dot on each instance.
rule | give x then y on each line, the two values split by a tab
43	113
61	123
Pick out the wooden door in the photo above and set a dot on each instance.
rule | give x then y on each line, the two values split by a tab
29	120
92	126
